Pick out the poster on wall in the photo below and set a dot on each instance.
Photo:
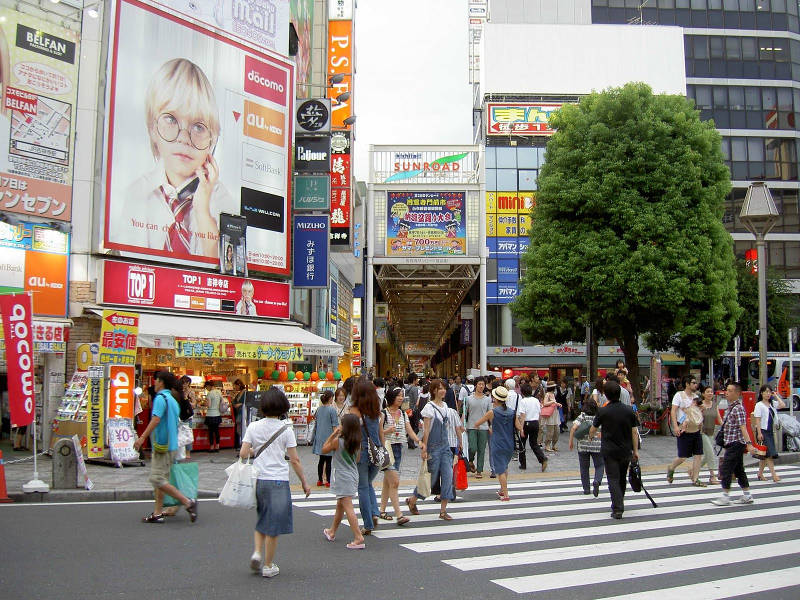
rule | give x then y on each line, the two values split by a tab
232	245
34	257
198	125
426	224
263	23
39	77
118	337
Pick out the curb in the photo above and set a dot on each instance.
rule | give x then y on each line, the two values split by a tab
92	496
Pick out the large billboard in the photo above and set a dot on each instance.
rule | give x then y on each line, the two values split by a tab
39	75
198	125
520	118
426	224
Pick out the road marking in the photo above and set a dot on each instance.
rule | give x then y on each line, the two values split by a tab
660	566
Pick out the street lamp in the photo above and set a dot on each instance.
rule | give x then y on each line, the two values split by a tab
759	215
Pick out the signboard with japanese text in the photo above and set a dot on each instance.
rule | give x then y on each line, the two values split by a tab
466	332
189	348
120	440
333	296
95	412
121	379
310	251
263	23
519	118
340	62
508	214
426	224
168	180
118	335
341	201
508	219
15	313
48	337
37	118
501	293
311	192
313	116
130	284
34	257
340	10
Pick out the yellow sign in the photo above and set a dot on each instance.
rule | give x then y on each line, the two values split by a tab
508	214
192	348
118	336
95	413
356	347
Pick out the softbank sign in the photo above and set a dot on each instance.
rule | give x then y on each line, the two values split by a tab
16	316
265	81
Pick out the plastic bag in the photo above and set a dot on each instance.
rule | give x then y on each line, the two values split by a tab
185	434
183	476
460	474
240	489
424	480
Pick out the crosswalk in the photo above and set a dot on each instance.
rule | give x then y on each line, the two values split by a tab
551	539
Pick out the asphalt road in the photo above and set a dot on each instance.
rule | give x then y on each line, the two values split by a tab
550	539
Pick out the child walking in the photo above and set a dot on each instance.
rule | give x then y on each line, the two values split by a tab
270	439
345	443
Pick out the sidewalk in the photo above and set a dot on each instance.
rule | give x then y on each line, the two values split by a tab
130	483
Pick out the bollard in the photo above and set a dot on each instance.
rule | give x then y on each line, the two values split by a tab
65	465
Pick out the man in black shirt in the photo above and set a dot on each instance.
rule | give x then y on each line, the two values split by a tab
618	443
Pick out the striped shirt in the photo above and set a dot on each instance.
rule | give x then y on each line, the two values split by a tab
399	435
585	444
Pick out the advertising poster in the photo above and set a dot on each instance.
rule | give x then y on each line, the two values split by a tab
118	335
198	125
311	192
15	310
188	348
120	440
34	257
232	245
39	79
129	284
120	391
520	119
263	23
426	224
83	475
48	337
95	413
340	189
310	251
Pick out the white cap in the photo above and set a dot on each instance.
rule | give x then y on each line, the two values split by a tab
511	385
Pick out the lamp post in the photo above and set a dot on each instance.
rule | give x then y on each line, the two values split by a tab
759	215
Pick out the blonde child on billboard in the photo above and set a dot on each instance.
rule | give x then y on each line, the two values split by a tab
175	207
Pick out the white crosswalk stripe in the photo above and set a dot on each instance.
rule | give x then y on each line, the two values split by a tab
687	547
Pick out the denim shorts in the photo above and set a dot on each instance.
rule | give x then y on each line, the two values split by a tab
274	504
397	450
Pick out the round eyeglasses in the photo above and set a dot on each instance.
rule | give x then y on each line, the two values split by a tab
169	128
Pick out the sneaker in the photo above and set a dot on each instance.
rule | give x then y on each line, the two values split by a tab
721	501
255	562
743	500
270	570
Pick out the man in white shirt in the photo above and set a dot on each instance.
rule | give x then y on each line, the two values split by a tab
465	391
528	415
511	386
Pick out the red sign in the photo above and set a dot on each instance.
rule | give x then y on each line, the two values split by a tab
751	260
340	170
129	284
16	312
120	395
264	80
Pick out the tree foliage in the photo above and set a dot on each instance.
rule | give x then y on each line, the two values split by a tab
626	231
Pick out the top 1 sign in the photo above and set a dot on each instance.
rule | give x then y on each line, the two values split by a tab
520	119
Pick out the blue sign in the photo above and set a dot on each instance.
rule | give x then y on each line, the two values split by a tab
311	236
500	293
508	270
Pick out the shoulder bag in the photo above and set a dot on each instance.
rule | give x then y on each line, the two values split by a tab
377	455
719	439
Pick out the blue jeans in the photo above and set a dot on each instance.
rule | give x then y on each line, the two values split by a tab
367	502
440	464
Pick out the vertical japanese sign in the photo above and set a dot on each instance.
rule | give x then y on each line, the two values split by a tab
340	62
426	224
16	317
120	391
466	332
334	308
340	189
95	413
120	440
118	337
39	77
310	257
508	218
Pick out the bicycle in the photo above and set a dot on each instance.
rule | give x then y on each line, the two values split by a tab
649	421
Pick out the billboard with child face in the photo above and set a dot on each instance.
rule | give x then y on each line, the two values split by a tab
198	125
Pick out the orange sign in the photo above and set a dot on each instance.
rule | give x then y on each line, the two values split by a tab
120	391
340	61
263	123
45	277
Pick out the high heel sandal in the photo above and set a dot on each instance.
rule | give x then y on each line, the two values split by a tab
761	477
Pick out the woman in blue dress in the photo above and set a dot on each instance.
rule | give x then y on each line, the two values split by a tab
501	443
326	420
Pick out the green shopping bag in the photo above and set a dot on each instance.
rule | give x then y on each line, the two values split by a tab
185	477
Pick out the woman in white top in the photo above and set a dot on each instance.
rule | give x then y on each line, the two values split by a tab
765	415
477	405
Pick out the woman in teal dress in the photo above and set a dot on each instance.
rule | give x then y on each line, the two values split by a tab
501	441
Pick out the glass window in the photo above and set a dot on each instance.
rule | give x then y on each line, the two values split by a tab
700	46
746	5
540	154
749	48
726	148
762	6
781	50
784	99
507	157
698	4
682	3
720	96
770	98
736	97
752	98
794	48
733	48
527	158
716	44
714	4
490	157
778	6
738	149
766	49
666	3
730	4
527	180
703	94
755	149
491	179
506	180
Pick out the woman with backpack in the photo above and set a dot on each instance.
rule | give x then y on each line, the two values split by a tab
587	449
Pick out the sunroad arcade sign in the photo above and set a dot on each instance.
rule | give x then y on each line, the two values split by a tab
312	154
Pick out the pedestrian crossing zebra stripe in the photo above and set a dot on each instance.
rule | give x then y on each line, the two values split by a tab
660	566
577	514
652	539
718	589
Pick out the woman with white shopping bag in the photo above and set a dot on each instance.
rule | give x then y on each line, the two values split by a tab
273	440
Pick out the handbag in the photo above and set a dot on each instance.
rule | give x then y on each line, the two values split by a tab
460	480
635	479
583	430
424	480
719	439
547	411
185	434
378	455
185	477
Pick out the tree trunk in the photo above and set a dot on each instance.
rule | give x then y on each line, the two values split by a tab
630	347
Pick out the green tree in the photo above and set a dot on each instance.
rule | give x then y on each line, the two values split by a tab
781	306
626	232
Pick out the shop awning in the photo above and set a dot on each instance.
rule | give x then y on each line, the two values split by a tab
160	331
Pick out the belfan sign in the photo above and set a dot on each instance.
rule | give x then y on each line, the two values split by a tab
16	315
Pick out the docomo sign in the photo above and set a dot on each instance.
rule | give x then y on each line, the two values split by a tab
16	316
120	395
265	81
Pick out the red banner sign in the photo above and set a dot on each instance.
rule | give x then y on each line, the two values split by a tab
130	284
16	314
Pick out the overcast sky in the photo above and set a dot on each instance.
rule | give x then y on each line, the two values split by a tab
412	83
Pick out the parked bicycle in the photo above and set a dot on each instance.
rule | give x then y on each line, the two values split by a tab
649	419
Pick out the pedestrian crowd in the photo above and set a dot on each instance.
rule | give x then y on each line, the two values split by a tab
364	426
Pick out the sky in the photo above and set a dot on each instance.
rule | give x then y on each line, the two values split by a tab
411	83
